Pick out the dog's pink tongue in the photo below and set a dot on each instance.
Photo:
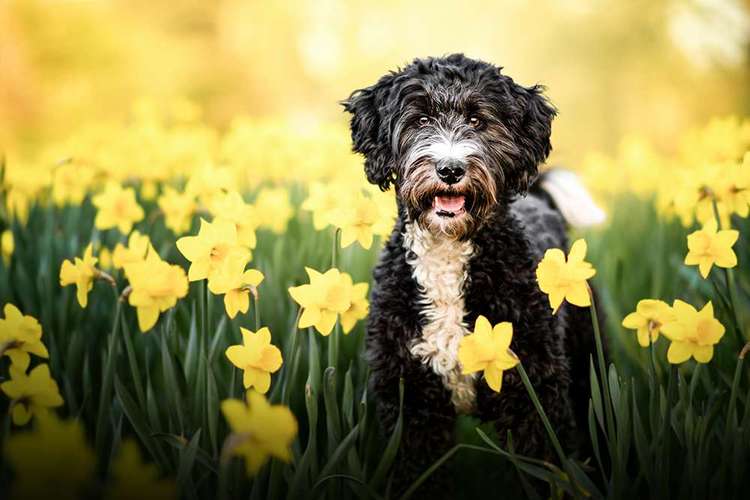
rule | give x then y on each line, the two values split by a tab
449	203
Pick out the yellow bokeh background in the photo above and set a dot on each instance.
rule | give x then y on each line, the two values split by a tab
613	68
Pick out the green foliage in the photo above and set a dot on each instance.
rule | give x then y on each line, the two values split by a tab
657	430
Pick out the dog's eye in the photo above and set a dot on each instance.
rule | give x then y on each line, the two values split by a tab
424	120
474	122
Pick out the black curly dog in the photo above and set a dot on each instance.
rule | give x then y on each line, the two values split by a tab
462	143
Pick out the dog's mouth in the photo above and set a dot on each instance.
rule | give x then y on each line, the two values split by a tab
449	204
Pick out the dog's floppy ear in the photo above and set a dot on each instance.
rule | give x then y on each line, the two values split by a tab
370	136
532	133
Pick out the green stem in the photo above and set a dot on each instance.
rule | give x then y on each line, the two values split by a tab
694	381
203	312
733	396
105	395
256	305
335	247
334	338
652	358
133	362
538	405
333	345
222	479
416	484
667	431
729	279
602	370
292	375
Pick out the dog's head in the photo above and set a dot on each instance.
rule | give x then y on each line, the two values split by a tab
454	135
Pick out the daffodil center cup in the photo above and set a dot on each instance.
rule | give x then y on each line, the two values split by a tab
219	252
653	325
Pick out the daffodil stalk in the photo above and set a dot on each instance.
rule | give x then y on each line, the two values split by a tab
667	429
334	339
256	304
109	372
564	461
735	384
102	275
426	474
540	410
652	357
729	279
602	367
288	378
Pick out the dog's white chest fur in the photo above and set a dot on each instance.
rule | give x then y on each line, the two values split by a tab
440	266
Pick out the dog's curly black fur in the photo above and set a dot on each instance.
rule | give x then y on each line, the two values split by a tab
508	233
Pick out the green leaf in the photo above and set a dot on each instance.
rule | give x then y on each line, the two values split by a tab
212	410
187	461
596	397
179	443
347	400
304	467
391	449
138	421
135	371
172	388
105	395
642	446
333	419
339	452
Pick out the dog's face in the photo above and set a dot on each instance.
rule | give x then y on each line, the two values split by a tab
454	135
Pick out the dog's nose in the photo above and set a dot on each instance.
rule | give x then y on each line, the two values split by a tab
451	171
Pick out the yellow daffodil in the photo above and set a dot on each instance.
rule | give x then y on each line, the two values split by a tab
148	189
387	210
41	460
7	245
156	286
565	280
649	318
730	187
214	251
693	333
71	182
357	221
117	207
358	308
20	336
233	208
81	273
105	259
134	478
138	246
210	181
257	357
708	247
322	299
259	430
236	287
32	393
178	209
324	201
487	349
272	209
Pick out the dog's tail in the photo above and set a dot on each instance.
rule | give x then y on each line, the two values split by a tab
565	191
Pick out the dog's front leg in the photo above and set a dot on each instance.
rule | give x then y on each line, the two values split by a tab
428	418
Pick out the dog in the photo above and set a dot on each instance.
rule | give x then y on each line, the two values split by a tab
462	144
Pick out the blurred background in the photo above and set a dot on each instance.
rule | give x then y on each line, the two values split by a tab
613	68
